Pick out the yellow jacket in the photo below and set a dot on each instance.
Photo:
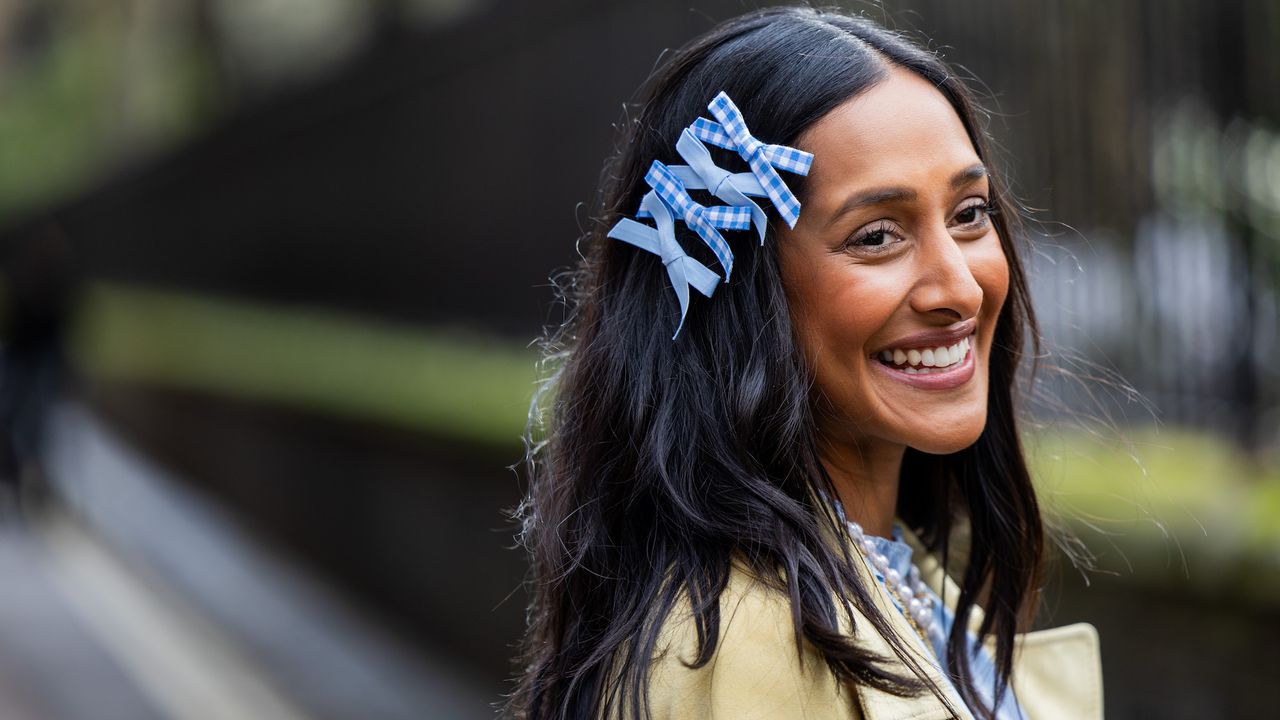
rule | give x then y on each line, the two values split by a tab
757	673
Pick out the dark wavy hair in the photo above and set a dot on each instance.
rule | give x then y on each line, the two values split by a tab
662	460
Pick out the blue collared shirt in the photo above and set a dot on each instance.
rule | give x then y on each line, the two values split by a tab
984	671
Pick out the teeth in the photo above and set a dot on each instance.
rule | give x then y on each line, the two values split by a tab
916	361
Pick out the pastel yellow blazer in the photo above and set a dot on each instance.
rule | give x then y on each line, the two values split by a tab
756	671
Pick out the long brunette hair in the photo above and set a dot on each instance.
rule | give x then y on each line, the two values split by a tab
660	460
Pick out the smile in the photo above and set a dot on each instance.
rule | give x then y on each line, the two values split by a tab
926	360
937	367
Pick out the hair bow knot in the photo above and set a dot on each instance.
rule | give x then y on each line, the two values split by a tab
669	198
706	221
733	188
683	270
731	133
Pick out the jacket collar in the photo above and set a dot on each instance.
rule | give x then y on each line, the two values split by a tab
878	705
1057	673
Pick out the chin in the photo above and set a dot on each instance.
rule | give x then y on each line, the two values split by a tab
957	438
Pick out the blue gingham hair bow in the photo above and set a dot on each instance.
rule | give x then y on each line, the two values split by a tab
669	199
733	188
683	270
706	221
731	133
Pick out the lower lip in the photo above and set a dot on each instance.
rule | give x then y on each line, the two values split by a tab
951	378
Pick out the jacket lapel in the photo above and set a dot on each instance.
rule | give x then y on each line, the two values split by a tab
877	705
1057	672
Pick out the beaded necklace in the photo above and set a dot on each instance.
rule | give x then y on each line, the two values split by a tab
910	592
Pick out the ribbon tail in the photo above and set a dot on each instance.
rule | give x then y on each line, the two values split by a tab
719	246
638	234
649	239
702	278
786	203
685	272
680	283
757	216
673	256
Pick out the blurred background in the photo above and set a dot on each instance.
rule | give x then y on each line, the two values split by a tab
271	270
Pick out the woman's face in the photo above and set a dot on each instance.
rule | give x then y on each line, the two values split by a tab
895	256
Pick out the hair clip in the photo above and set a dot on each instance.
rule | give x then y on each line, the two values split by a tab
733	188
703	220
683	270
731	134
669	198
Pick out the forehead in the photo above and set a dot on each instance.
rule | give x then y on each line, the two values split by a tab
902	132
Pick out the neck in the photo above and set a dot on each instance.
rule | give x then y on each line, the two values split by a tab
865	477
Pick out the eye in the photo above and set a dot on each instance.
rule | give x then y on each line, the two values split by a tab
876	237
976	213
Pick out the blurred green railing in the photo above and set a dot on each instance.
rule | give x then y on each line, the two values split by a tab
1161	501
450	384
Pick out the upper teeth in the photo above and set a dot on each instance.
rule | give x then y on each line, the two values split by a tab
940	356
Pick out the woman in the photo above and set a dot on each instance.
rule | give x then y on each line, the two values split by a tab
724	524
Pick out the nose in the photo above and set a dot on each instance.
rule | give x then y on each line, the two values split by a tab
946	285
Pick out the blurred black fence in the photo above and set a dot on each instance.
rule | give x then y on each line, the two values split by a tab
400	168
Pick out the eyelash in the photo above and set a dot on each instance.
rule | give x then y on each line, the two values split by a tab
884	227
880	227
987	207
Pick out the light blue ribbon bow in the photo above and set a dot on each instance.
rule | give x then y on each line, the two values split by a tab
731	133
703	173
683	270
706	221
669	198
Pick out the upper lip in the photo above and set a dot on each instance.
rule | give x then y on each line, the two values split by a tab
933	338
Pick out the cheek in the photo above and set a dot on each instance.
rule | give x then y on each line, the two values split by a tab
836	310
831	306
990	270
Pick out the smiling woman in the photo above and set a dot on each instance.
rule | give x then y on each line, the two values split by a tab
755	518
895	277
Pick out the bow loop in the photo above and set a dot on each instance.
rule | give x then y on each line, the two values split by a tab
682	270
669	199
733	188
731	133
705	221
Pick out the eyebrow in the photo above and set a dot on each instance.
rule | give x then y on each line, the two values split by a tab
880	196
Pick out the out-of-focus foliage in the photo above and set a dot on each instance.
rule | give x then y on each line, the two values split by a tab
90	88
85	91
1185	507
88	91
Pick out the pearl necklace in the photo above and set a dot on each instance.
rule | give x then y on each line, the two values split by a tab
910	592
